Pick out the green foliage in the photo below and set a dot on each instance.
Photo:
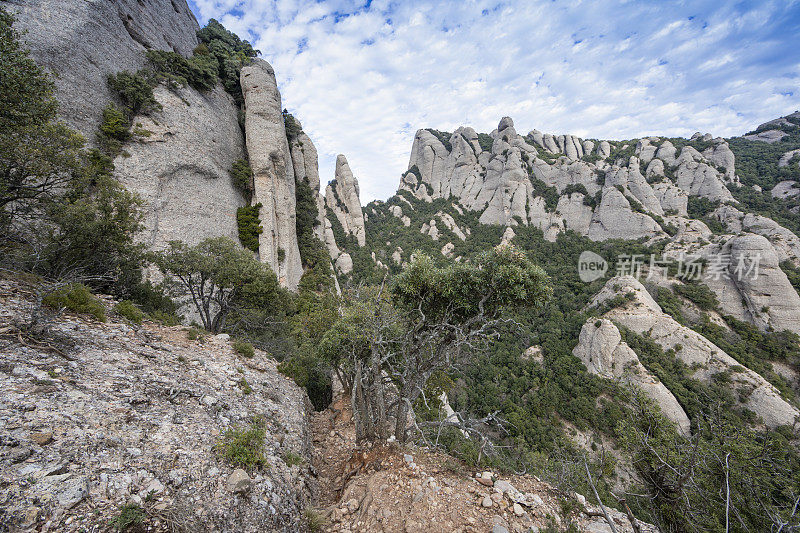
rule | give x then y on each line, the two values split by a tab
127	309
244	348
242	177
293	459
229	52
724	469
293	129
313	253
227	284
549	193
27	90
444	138
699	206
757	162
698	293
135	91
130	515
793	273
114	130
754	348
243	446
244	386
485	141
199	71
622	151
249	226
670	304
77	298
315	521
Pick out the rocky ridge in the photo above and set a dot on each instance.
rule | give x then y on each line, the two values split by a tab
640	313
563	182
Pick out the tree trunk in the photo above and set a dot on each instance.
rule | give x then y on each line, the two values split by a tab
402	415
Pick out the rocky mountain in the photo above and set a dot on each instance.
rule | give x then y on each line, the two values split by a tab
179	160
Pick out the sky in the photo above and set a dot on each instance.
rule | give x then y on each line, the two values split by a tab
363	76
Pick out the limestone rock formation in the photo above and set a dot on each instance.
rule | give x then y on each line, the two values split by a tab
83	41
602	350
641	314
342	197
508	183
786	243
273	170
188	192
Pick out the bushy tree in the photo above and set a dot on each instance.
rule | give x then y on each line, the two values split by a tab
39	156
221	279
62	214
430	320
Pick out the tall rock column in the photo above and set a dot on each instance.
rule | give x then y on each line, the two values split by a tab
342	197
273	171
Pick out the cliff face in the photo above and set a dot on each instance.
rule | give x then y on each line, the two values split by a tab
181	167
179	158
180	164
83	41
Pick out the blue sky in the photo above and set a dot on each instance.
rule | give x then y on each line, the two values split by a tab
362	77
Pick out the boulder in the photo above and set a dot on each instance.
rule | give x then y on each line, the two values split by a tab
602	350
641	314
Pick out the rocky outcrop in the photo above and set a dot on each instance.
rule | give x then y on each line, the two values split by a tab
774	130
506	183
132	415
602	350
766	292
273	170
614	219
342	197
83	41
785	243
188	192
641	314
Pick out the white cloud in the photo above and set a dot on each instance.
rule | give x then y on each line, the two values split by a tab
363	79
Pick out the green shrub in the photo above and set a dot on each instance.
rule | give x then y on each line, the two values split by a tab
114	130
315	521
242	177
127	309
195	334
244	386
130	515
229	54
134	91
244	348
200	71
244	446
249	226
77	298
291	459
293	128
699	293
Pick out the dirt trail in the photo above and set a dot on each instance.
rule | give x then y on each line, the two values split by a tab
385	488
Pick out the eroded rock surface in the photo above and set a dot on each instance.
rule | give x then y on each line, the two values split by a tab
132	415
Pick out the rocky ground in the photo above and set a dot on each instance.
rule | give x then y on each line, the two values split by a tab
103	415
389	489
